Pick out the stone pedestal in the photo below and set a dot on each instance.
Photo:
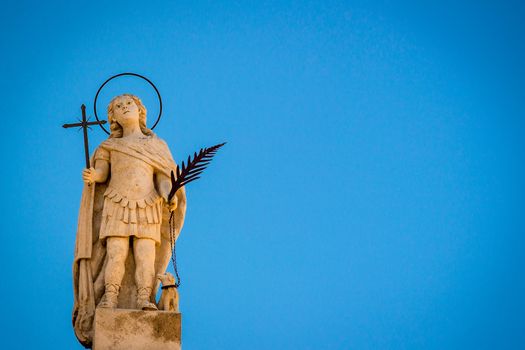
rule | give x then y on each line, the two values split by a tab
118	329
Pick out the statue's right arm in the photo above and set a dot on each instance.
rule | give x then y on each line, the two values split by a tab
99	173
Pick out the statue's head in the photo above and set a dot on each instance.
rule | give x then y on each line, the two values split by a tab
125	109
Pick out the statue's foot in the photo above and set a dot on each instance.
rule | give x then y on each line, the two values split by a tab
146	305
110	298
143	299
108	303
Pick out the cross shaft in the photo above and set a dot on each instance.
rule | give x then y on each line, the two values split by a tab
84	124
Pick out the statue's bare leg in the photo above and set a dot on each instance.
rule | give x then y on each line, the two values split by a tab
144	251
117	249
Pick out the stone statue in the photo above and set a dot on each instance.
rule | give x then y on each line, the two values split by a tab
123	238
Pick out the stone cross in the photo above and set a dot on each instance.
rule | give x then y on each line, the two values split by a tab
84	124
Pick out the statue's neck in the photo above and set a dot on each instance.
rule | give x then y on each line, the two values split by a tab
132	131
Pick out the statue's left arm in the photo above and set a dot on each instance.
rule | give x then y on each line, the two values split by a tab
163	180
164	186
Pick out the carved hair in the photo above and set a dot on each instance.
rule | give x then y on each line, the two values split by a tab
116	129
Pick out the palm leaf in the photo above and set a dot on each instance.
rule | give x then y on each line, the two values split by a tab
191	170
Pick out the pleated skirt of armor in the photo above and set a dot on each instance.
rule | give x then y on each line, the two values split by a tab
122	217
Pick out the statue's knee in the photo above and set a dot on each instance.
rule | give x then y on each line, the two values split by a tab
117	251
117	259
144	250
145	262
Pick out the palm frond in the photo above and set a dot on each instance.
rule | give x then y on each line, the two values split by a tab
190	171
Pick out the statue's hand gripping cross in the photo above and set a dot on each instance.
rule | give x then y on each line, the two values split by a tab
85	124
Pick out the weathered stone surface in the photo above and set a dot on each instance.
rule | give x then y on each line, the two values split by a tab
118	329
125	235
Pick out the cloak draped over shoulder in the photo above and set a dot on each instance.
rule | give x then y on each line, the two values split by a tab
90	251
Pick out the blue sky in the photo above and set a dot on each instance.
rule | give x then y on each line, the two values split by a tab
370	195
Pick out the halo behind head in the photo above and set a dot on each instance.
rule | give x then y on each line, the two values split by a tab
129	74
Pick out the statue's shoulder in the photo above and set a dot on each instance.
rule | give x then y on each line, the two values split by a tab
155	138
108	144
158	142
103	150
161	148
149	143
115	143
111	144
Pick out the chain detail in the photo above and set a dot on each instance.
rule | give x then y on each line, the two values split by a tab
173	252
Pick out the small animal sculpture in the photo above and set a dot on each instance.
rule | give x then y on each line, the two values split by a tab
169	299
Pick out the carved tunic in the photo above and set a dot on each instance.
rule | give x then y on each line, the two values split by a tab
132	206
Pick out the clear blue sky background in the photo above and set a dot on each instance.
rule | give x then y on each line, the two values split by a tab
371	194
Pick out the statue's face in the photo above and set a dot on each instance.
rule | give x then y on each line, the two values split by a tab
125	110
